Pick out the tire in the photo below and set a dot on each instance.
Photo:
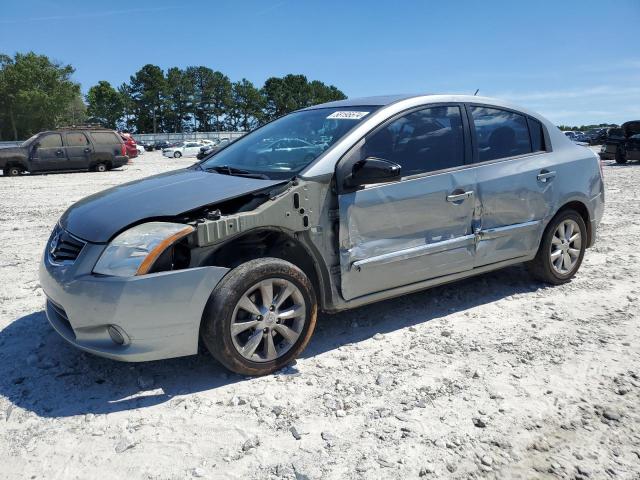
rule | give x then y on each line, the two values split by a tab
552	268
620	156
177	154
11	171
243	284
101	167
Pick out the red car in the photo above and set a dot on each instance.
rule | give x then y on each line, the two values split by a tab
130	145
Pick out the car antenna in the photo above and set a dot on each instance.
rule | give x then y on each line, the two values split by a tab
477	90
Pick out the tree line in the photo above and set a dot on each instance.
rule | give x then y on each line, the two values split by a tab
38	94
585	128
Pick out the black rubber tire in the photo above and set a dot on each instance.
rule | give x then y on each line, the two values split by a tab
11	171
216	319
540	267
620	156
101	167
177	154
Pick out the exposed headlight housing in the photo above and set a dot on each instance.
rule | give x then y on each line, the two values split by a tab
134	251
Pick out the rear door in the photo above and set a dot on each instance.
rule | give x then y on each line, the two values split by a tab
515	181
50	153
79	150
395	234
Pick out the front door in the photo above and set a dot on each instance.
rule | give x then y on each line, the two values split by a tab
421	227
515	183
78	150
49	154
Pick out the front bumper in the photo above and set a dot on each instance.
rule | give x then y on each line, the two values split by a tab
159	313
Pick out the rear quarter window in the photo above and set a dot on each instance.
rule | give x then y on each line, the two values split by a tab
537	135
105	138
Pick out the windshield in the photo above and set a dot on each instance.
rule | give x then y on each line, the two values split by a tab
28	141
282	148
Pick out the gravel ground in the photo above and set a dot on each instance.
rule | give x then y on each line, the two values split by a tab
494	377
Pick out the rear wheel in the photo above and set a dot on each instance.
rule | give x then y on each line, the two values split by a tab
562	249
260	316
101	167
177	155
12	171
620	155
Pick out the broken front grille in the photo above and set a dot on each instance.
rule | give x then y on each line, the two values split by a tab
63	247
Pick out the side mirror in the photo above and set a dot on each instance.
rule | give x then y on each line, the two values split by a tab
373	170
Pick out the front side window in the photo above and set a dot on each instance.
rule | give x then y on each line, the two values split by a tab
77	139
500	133
423	141
284	147
53	140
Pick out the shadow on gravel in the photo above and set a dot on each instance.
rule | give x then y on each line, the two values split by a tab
41	373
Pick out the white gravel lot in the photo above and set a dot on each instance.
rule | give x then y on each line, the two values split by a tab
494	377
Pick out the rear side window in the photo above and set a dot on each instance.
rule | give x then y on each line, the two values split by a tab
53	140
537	135
76	139
423	141
105	138
500	133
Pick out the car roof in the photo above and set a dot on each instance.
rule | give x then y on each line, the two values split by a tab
391	105
377	100
426	98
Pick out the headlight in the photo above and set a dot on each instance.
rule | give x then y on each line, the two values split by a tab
134	251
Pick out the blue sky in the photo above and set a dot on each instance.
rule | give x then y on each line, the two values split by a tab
573	61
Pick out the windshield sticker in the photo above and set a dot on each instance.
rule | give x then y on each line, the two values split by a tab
343	115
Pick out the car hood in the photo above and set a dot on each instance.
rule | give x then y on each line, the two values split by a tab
99	217
12	152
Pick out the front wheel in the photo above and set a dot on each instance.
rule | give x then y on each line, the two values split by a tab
11	171
562	249
620	156
101	167
260	316
177	155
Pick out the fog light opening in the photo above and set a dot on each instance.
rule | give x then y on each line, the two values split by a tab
117	335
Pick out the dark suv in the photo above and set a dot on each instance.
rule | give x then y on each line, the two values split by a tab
622	143
76	148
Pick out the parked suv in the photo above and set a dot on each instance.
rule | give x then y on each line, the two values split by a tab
65	149
622	143
405	193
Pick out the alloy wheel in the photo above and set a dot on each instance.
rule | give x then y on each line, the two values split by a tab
566	245
268	320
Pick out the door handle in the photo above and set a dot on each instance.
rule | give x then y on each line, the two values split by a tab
59	152
545	176
87	150
459	197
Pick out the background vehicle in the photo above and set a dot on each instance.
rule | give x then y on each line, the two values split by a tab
596	136
130	145
140	149
214	147
184	149
249	251
632	148
619	141
74	148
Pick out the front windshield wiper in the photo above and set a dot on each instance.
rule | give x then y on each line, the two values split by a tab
227	170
